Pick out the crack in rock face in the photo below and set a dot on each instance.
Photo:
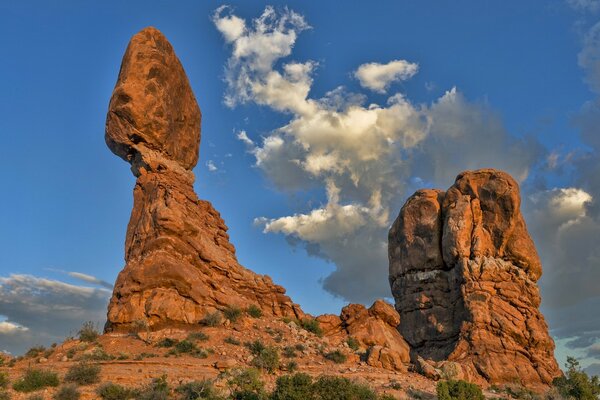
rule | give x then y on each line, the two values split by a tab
463	273
180	265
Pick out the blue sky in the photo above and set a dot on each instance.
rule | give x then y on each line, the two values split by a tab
499	84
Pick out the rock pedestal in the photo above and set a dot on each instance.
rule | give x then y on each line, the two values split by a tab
180	264
463	272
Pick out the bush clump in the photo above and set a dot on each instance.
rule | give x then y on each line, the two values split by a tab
67	392
199	390
232	340
35	351
246	385
4	395
4	381
254	311
312	325
265	357
112	391
36	379
301	386
458	390
293	387
232	313
200	336
212	319
83	374
353	343
97	355
88	332
336	356
158	389
576	383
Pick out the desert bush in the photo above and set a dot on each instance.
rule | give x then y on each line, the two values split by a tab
293	387
4	380
576	383
83	374
67	392
166	342
200	336
291	366
353	343
35	351
158	389
312	325
199	390
232	340
4	395
458	390
265	357
336	356
97	355
185	346
289	352
246	385
88	332
254	311
300	347
112	391
212	319
338	388
232	313
36	379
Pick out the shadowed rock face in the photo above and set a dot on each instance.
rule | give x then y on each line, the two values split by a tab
180	264
463	272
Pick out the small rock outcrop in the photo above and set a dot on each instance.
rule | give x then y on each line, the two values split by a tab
180	264
463	272
374	329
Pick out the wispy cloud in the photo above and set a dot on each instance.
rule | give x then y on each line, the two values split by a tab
378	77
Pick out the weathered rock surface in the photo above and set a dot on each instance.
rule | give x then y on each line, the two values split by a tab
374	329
463	272
180	264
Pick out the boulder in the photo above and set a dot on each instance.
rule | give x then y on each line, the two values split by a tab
463	272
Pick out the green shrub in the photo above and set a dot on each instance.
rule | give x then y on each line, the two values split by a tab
200	336
97	355
88	332
35	351
71	352
246	385
83	374
4	395
458	390
157	390
254	311
338	388
265	357
312	325
336	356
212	319
293	387
353	343
232	313
68	392
576	383
300	347
112	391
199	390
291	366
232	340
4	380
36	379
289	352
185	346
167	342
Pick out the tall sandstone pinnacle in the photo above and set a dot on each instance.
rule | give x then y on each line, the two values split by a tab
180	264
463	272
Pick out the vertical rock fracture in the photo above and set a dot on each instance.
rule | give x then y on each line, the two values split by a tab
180	264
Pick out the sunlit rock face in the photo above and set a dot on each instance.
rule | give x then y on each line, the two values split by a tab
463	272
180	264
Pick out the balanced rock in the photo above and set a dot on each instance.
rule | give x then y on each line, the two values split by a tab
180	264
374	329
463	272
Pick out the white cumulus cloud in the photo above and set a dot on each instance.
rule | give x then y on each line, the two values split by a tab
378	77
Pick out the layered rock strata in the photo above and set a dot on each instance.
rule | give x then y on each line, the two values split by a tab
463	272
180	264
